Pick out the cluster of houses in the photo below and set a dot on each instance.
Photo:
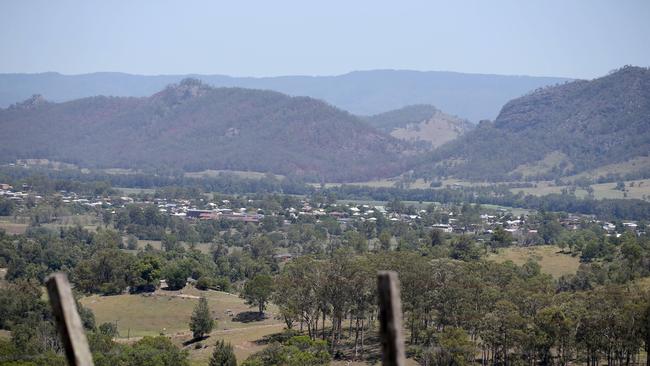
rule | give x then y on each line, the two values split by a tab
17	196
612	229
344	213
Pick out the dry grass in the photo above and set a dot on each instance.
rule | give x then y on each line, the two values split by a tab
3	274
545	165
19	225
630	166
168	312
239	173
129	191
640	189
245	341
5	334
157	244
549	257
148	315
12	228
417	184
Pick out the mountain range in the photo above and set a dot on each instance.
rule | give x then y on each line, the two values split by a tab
421	124
470	96
555	131
552	132
192	127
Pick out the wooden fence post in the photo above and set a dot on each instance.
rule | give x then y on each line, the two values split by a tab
68	321
390	319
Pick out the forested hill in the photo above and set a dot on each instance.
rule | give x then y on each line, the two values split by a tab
471	96
420	123
193	127
556	131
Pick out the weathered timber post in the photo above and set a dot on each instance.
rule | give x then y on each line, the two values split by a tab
390	319
68	321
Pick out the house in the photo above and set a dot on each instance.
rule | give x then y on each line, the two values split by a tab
283	257
608	226
445	228
192	213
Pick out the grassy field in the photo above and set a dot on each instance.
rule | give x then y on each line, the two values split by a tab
12	227
239	173
5	334
417	184
638	189
129	191
622	168
545	165
169	312
549	257
19	225
138	315
157	244
88	222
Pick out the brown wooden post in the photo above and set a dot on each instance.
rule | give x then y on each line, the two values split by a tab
390	319
68	321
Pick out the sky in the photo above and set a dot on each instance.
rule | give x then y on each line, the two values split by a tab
569	38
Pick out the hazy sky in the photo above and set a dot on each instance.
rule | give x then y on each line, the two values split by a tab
263	38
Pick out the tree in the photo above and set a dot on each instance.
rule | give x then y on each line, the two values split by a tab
549	228
297	292
109	329
201	322
147	270
645	332
384	239
356	241
176	276
223	355
257	291
454	348
154	351
464	249
500	238
436	237
297	351
502	329
6	207
108	271
262	247
132	242
554	332
170	242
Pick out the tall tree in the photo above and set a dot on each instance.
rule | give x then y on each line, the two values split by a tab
201	322
223	355
257	291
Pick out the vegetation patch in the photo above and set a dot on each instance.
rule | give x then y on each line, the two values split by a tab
550	257
12	227
168	312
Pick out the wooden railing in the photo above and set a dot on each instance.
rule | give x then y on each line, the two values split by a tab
68	321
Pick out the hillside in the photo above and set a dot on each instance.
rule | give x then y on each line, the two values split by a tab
556	131
421	123
193	127
471	96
